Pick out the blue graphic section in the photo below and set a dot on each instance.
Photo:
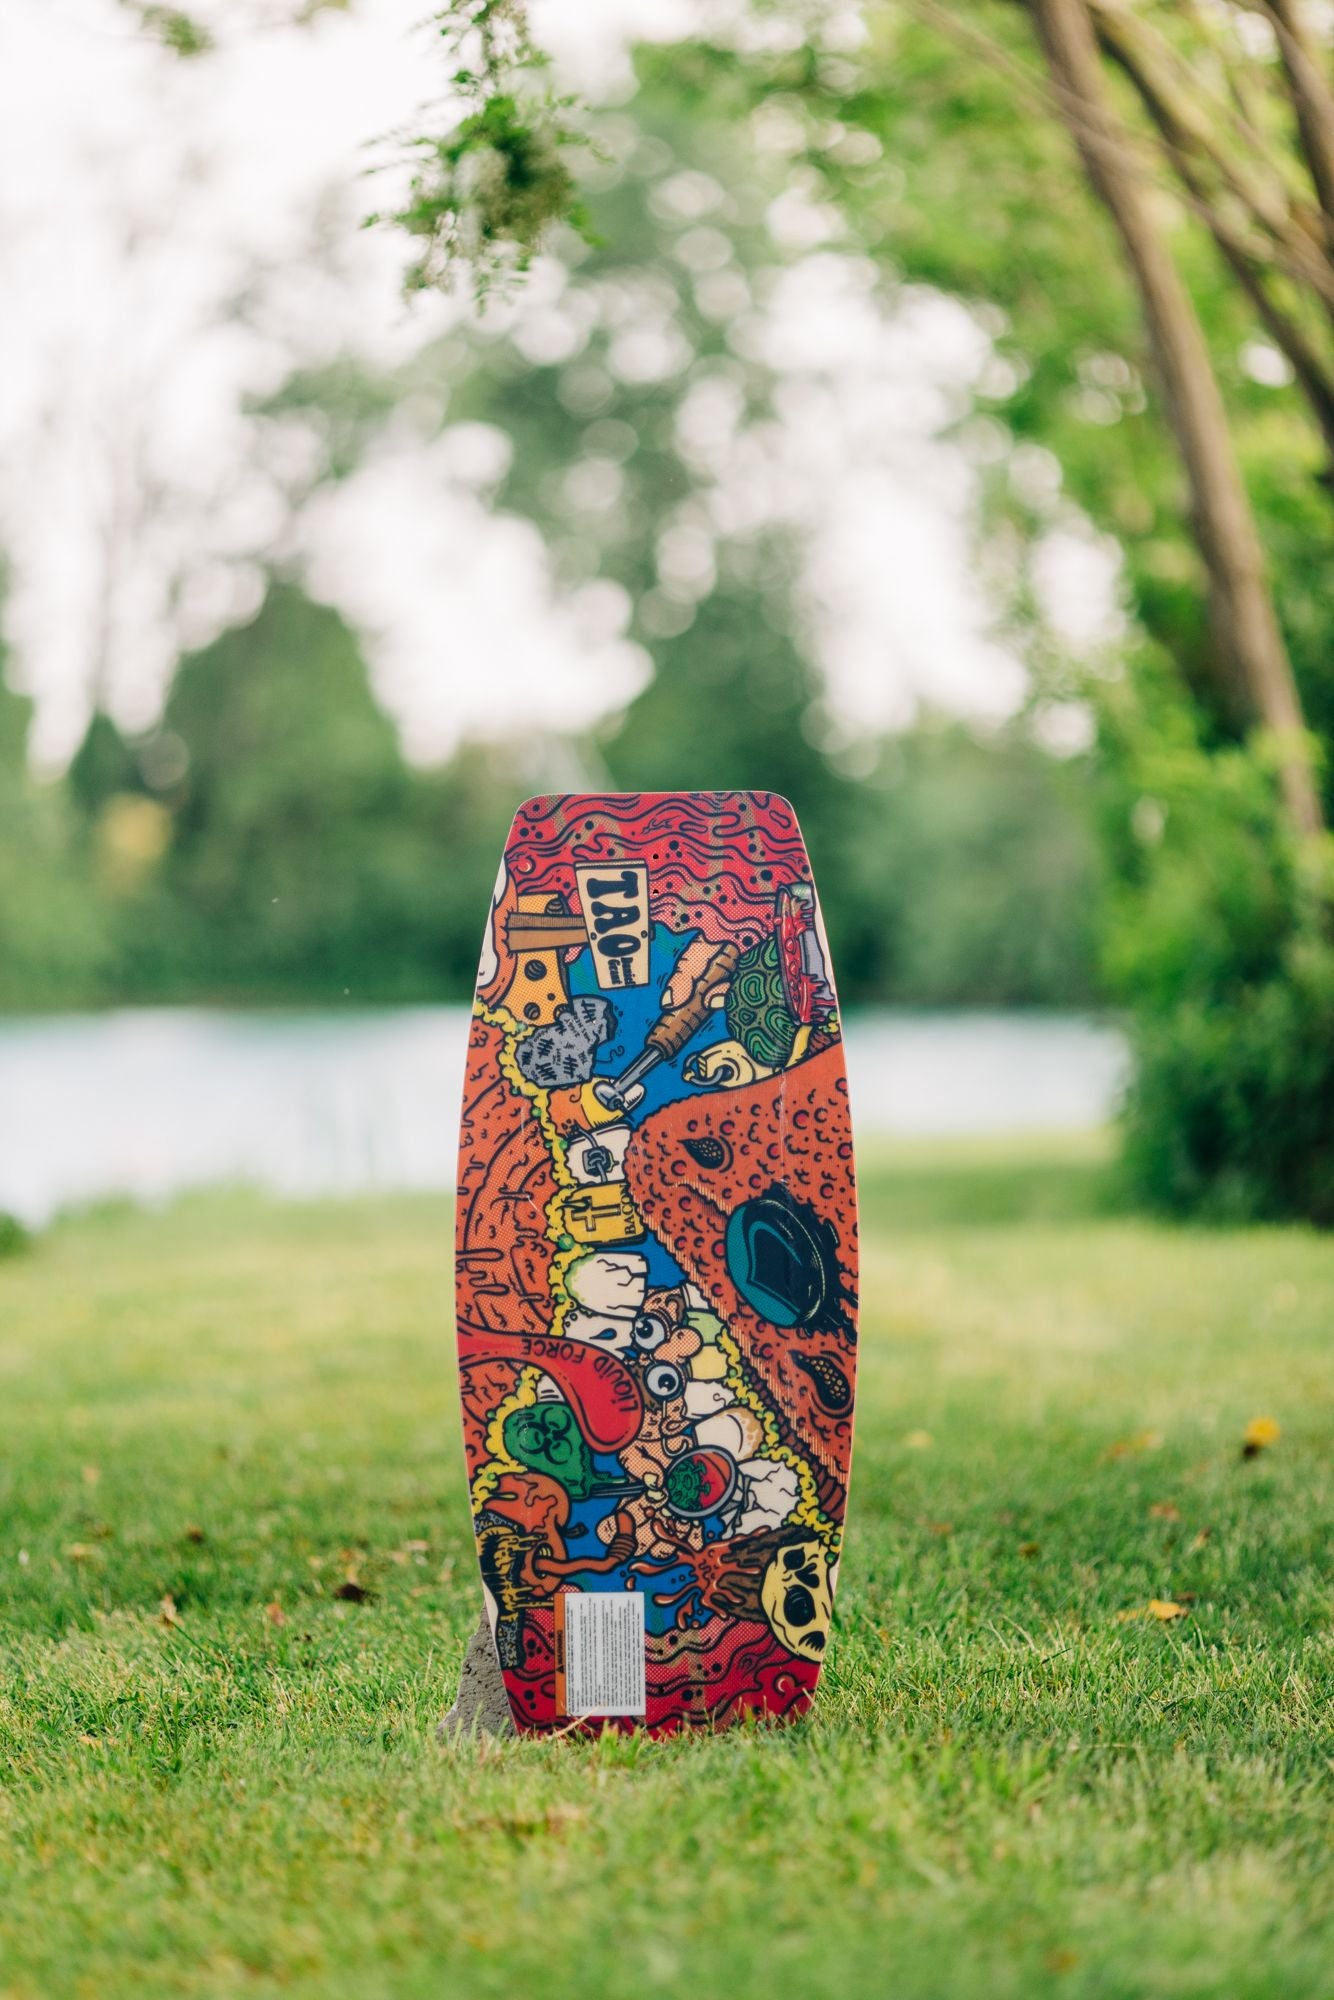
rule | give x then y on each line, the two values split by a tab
637	1008
677	1585
582	1539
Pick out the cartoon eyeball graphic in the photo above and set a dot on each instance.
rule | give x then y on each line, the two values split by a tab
649	1332
797	1598
664	1380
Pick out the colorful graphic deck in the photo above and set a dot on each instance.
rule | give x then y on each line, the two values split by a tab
657	1263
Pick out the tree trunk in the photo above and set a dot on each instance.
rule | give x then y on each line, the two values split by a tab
1312	99
1246	635
1235	244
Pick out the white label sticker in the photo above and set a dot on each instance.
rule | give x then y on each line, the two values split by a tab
614	900
600	1652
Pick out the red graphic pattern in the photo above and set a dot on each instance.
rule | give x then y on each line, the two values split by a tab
795	1127
716	876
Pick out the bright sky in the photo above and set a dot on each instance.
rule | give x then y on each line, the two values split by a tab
140	193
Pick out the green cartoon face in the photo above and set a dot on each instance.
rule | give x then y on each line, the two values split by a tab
545	1438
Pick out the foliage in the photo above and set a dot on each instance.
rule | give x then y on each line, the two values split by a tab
971	876
266	842
14	1238
1213	934
223	1406
1233	1102
960	872
285	849
485	191
278	850
54	943
942	151
1233	108
177	30
951	869
951	171
968	185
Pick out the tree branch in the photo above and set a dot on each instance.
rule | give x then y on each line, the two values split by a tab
1312	99
1289	245
1246	631
1313	374
1302	258
1240	78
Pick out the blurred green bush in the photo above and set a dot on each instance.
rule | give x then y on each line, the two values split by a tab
56	943
14	1238
1215	938
268	842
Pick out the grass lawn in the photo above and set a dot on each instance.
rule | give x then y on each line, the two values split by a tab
1017	1781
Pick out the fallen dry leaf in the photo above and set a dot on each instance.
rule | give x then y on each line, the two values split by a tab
1197	1542
275	1614
1137	1441
80	1552
555	1820
1259	1434
1165	1609
167	1613
194	1533
1030	1549
1164	1510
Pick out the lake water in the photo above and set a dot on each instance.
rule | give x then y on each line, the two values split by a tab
146	1102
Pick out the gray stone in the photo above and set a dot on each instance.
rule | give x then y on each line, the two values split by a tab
481	1706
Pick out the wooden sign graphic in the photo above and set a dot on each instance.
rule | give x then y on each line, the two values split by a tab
657	1264
615	907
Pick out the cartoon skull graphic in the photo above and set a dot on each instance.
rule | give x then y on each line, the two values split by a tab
798	1599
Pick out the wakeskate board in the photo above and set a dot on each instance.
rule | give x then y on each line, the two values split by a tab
656	1264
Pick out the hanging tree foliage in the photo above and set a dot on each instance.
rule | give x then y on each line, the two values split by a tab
489	181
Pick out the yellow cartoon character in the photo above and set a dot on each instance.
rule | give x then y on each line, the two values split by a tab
724	1066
